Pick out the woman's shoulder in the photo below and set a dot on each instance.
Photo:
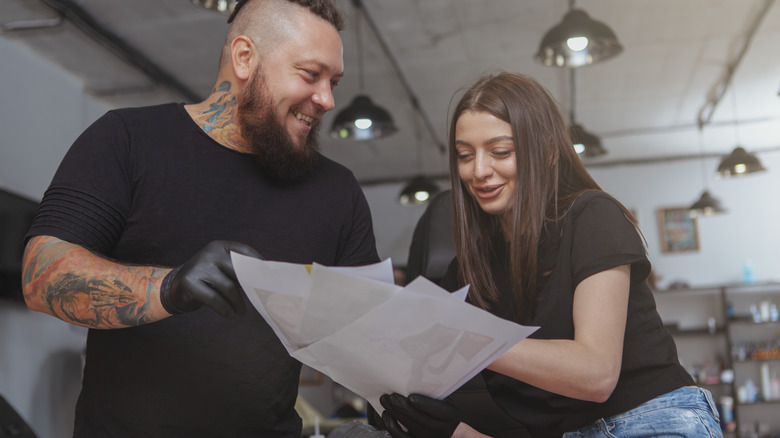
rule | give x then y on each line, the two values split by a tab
592	199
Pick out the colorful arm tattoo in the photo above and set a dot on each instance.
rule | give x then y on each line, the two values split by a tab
79	287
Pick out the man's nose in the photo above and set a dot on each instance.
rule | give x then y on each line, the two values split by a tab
324	98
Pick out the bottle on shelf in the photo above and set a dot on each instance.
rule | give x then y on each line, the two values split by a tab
748	276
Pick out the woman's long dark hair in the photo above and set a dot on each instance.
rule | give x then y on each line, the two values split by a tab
550	175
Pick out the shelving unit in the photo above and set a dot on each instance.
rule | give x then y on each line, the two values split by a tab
714	330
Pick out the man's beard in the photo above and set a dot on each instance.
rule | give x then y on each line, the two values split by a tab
275	152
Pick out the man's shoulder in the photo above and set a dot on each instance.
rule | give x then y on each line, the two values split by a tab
146	112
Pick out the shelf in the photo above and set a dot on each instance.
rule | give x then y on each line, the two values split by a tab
759	403
727	306
771	359
749	322
714	385
700	331
763	287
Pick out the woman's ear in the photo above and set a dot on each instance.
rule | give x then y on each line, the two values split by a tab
243	56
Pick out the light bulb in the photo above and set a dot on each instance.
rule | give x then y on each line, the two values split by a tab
740	168
579	148
363	123
421	196
577	43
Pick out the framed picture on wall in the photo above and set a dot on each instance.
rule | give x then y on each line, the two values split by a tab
678	230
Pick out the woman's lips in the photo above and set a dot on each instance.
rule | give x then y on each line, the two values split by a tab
488	192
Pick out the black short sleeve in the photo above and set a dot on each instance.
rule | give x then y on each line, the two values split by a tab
88	199
605	238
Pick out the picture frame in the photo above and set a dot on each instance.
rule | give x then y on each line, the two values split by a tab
310	377
678	230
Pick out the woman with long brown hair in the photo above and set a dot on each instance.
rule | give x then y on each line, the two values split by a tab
541	244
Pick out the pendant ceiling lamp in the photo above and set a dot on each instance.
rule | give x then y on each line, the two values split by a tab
362	119
578	40
706	205
739	162
420	189
223	6
586	144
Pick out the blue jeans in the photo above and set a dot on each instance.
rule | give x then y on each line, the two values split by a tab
684	412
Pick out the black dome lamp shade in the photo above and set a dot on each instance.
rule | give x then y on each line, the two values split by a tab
363	120
707	205
419	191
586	144
223	6
578	40
739	162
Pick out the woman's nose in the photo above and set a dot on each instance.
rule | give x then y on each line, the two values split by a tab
482	168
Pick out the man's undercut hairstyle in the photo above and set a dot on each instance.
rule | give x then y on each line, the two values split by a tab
270	22
325	9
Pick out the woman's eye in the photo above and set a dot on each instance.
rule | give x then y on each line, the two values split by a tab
505	153
463	156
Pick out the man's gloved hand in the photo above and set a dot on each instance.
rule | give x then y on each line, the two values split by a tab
374	419
422	416
207	278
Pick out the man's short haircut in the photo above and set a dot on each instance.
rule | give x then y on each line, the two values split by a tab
325	9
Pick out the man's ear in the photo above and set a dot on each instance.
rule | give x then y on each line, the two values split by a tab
243	56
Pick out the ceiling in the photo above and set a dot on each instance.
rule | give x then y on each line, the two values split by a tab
645	104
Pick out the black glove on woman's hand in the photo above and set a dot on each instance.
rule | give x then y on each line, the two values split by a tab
207	278
423	417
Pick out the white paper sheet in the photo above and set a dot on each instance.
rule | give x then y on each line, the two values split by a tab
372	336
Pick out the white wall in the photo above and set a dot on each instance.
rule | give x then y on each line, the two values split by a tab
749	231
43	110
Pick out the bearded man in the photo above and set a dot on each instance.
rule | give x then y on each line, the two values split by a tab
179	352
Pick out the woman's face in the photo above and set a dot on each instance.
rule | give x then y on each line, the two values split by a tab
486	160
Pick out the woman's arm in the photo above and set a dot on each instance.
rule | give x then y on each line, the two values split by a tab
587	367
79	287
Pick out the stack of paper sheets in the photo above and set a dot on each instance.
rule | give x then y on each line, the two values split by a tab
372	336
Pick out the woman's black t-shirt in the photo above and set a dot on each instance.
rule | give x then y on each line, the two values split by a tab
595	236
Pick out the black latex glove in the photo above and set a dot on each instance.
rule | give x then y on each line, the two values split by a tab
207	278
422	416
374	419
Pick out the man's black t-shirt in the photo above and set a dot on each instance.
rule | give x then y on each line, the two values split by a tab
147	186
596	236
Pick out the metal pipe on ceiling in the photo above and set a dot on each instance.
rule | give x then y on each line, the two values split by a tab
719	88
121	48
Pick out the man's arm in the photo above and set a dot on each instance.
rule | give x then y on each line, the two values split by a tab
75	285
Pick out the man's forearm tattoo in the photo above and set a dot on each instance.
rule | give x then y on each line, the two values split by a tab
95	302
81	288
